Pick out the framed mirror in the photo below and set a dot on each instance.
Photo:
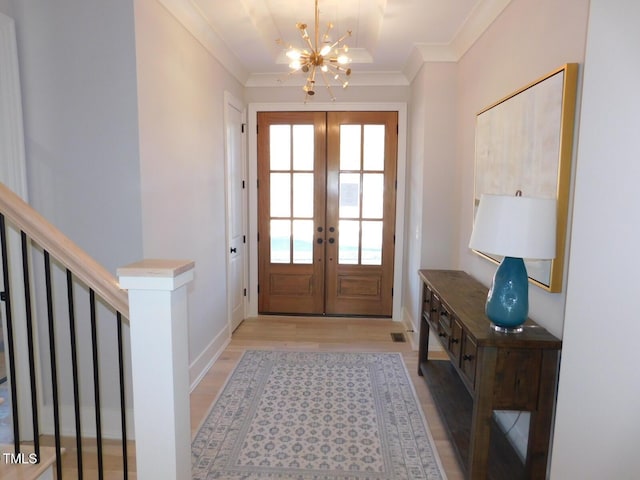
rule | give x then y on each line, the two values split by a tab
524	142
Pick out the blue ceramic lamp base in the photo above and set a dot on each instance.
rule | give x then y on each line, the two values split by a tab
508	301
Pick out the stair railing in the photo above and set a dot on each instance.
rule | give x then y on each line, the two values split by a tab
154	459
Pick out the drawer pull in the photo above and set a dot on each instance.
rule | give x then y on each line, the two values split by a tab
442	334
467	358
454	340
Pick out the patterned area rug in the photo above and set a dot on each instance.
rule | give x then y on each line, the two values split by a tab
316	416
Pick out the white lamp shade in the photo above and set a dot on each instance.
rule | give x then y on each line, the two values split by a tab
513	226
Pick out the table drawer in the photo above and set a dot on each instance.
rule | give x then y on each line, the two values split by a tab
468	360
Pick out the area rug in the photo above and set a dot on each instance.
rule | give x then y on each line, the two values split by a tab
316	416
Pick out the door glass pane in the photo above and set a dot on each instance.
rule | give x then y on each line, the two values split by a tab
372	195
371	243
280	147
350	147
374	147
280	241
280	195
303	195
349	195
303	147
348	241
303	241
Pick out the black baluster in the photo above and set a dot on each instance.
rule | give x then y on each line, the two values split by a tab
30	346
96	380
123	413
6	297
74	367
54	368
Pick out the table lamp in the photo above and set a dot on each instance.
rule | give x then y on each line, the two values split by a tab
514	227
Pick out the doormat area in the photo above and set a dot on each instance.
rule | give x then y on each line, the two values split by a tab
316	416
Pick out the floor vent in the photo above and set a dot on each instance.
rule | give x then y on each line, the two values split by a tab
398	337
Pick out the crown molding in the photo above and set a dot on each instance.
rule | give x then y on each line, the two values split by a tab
480	18
191	17
478	21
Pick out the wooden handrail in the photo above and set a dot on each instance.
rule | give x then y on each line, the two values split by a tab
60	247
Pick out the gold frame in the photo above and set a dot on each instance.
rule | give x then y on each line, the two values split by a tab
524	119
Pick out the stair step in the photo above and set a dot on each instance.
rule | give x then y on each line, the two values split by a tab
23	467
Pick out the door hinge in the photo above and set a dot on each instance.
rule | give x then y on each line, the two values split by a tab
257	183
257	129
258	288
244	239
394	238
245	292
3	296
243	184
392	292
242	127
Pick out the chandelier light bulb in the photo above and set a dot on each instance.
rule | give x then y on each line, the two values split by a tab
343	59
325	50
293	53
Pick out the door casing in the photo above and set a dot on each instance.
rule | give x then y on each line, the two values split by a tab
253	109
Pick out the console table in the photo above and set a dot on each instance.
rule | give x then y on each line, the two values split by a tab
486	371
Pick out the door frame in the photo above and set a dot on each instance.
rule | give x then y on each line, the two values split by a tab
252	120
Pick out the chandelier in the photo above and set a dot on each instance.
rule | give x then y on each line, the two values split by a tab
321	58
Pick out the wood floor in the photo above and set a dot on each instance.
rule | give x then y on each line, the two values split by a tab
321	334
283	333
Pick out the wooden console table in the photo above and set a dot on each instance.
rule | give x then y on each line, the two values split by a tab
486	371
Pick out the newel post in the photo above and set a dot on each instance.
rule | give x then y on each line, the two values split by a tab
160	366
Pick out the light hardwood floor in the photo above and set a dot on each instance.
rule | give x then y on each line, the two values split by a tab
285	333
321	334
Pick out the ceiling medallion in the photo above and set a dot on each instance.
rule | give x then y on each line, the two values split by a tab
322	58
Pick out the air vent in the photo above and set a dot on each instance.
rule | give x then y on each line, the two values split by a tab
398	337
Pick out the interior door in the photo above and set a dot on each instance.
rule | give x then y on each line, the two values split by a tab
361	196
326	208
236	208
291	211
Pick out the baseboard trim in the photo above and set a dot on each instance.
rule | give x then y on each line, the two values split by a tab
411	330
203	363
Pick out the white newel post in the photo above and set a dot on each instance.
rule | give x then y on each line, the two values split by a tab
160	366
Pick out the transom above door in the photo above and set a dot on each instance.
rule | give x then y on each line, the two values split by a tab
326	206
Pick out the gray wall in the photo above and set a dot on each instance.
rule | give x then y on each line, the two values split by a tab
181	106
598	420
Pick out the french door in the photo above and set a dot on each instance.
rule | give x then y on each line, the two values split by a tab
326	208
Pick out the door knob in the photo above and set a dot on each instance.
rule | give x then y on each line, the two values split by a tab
319	241
331	240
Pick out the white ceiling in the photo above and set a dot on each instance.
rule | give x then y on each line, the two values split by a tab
390	39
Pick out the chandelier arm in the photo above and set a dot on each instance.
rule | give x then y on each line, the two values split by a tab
328	85
341	39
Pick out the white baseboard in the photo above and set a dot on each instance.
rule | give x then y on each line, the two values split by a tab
201	365
411	330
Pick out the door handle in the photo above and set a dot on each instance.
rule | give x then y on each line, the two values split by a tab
233	250
319	241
